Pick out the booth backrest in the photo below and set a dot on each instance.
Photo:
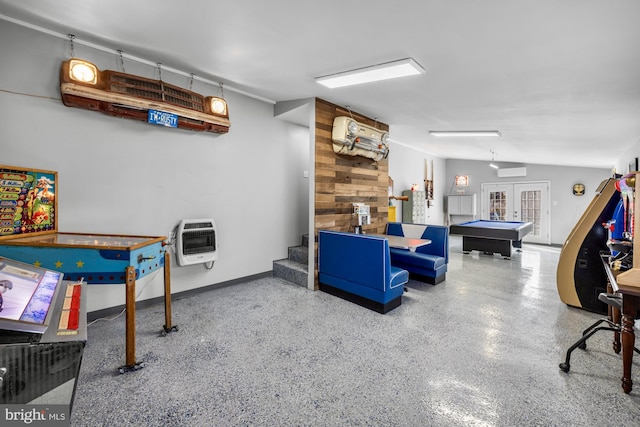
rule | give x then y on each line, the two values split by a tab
438	234
357	258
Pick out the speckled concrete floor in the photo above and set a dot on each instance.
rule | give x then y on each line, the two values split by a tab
481	349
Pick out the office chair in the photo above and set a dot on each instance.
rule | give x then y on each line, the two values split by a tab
612	300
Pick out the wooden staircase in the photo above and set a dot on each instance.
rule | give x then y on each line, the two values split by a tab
295	268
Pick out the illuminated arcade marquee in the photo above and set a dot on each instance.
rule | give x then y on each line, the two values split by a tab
28	201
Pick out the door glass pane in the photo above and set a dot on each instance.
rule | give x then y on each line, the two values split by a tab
497	205
530	209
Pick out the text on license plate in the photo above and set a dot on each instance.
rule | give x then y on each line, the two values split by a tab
162	118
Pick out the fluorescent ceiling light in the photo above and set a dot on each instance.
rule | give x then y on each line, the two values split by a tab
494	166
440	133
389	70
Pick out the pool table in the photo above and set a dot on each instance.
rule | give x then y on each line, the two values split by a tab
491	236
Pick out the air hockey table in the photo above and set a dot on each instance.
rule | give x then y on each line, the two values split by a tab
100	259
492	236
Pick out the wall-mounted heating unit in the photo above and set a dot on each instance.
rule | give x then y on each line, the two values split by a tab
196	242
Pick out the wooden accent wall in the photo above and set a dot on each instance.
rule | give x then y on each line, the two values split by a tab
341	180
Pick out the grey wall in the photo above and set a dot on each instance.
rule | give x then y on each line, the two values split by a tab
406	166
120	176
566	208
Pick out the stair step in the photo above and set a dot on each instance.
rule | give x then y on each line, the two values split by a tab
299	254
294	269
291	271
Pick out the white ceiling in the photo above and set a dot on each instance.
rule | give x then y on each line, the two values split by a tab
559	78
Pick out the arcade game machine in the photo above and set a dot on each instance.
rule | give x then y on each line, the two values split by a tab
28	233
43	332
580	275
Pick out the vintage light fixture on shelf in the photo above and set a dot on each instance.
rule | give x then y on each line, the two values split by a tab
388	70
83	71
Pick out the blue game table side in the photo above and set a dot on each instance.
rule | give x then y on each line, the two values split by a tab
100	259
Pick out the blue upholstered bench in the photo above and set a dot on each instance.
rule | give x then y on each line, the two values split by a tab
357	267
428	263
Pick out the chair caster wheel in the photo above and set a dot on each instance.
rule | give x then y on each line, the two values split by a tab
564	367
583	346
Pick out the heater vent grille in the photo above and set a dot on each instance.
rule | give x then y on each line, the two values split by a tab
196	242
198	225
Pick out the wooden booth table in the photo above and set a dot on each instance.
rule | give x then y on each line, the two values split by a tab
100	259
403	242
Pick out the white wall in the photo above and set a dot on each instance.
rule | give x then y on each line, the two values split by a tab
119	176
407	167
566	208
623	163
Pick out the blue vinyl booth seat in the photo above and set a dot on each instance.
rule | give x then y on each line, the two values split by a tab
428	263
357	268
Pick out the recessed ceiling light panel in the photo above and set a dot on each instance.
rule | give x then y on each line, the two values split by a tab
445	133
389	70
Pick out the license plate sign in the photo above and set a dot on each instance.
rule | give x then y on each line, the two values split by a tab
163	118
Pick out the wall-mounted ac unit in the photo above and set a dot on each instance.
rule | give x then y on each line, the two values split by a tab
357	139
510	172
196	242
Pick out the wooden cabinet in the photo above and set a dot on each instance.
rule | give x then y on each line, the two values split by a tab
413	210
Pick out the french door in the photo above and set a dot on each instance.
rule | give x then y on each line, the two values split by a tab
522	201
